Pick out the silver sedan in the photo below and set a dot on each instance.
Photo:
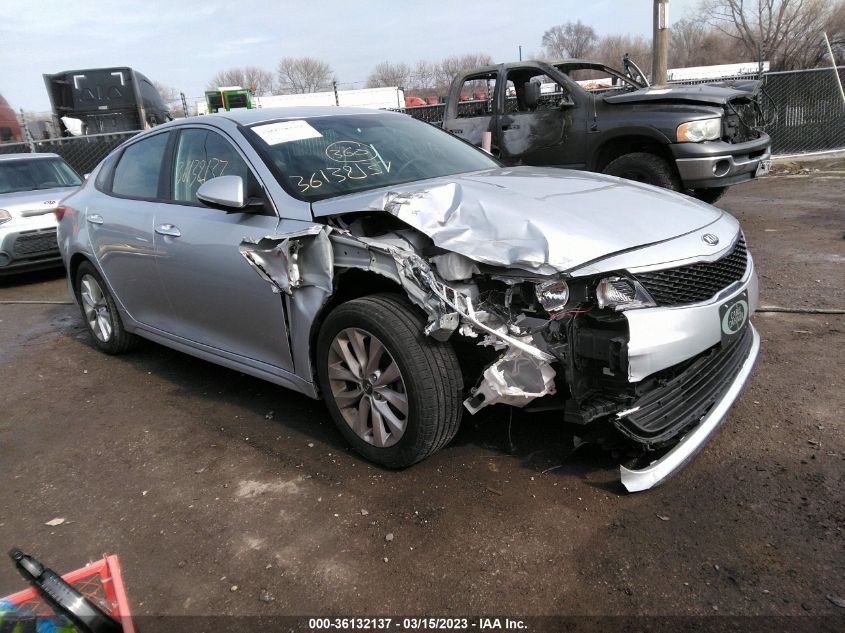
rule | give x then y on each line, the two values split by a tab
406	278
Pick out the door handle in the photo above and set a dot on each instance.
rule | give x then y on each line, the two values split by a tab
510	127
95	218
168	229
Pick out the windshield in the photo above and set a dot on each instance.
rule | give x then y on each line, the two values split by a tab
29	174
328	156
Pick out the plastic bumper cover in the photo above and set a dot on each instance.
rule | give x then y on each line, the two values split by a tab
663	468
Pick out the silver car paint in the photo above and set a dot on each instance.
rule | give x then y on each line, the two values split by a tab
30	210
573	221
543	220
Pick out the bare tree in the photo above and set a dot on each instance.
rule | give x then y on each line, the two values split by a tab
693	42
171	97
387	74
573	40
424	78
451	66
251	77
612	48
788	32
303	74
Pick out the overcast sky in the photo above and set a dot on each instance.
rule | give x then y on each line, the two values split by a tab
183	44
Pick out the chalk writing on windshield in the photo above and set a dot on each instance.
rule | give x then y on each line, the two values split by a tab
359	162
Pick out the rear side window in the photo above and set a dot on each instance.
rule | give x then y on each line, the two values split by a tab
137	173
200	156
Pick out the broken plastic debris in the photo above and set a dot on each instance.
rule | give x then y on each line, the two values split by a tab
515	379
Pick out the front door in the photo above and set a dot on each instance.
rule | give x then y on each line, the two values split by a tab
539	124
217	298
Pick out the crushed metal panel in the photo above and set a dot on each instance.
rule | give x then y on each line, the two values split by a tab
480	231
515	379
287	262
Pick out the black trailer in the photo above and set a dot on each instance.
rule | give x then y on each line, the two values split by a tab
104	100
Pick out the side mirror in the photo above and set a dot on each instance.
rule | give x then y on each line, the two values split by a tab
223	192
531	92
566	102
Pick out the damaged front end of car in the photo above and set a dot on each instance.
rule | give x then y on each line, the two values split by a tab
603	347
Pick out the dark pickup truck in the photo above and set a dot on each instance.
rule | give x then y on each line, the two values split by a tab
581	114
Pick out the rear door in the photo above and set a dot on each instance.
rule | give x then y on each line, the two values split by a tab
217	299
120	227
470	112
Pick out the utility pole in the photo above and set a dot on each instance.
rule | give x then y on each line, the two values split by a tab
660	43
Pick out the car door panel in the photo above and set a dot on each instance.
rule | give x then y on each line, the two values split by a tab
120	229
217	299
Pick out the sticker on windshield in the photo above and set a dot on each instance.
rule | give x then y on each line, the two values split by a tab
286	132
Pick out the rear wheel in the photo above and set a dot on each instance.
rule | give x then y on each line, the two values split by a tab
394	393
644	167
100	312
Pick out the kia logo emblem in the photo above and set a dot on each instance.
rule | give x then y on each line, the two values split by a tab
709	238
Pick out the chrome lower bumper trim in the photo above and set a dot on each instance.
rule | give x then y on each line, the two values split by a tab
663	468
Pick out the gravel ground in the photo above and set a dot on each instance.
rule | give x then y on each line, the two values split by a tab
218	490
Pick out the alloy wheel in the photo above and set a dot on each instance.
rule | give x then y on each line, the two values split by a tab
96	308
368	387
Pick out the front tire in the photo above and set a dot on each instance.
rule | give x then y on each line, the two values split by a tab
100	312
709	195
394	393
645	167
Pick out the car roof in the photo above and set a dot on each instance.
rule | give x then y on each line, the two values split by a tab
257	115
5	157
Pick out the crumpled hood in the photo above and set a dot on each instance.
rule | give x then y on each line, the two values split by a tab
543	220
701	93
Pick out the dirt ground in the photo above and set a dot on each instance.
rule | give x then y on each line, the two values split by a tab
217	489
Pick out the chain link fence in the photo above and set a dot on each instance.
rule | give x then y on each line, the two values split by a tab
83	153
804	111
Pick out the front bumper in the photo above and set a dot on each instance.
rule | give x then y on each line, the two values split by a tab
636	480
718	163
30	249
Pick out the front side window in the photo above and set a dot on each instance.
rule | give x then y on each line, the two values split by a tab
200	156
137	173
29	174
328	156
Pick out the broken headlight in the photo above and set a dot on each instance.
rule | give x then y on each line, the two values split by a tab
552	295
702	130
620	293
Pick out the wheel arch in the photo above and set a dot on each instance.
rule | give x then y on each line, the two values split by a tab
349	284
628	143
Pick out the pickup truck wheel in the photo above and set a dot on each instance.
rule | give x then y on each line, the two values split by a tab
644	167
393	392
710	195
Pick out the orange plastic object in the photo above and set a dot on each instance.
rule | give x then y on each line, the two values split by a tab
99	581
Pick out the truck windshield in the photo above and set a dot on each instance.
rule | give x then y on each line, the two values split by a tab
328	156
28	174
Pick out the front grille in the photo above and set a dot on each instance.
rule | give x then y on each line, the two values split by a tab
742	120
678	403
696	282
35	243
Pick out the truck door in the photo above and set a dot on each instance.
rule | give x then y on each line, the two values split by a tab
470	112
539	123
